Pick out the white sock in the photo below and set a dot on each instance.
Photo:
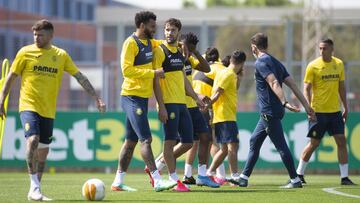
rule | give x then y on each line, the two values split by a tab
160	165
244	177
34	180
173	177
220	171
210	173
119	177
295	180
202	170
188	170
235	176
155	175
344	170
301	167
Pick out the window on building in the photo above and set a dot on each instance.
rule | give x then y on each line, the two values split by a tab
110	34
2	46
37	6
67	9
54	8
78	10
16	45
90	12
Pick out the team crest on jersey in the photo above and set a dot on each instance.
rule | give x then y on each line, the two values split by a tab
314	133
54	58
172	115
139	111
27	126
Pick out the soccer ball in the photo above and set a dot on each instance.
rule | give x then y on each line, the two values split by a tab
93	189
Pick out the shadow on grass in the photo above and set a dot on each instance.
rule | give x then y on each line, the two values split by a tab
243	191
117	200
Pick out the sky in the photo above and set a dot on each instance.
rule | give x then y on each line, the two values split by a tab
177	4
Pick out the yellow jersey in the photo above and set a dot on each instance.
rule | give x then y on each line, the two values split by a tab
41	73
324	78
138	78
189	69
173	85
203	82
225	106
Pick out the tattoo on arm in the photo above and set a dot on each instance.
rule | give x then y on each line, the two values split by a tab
85	83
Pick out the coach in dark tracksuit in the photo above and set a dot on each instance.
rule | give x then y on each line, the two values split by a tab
269	76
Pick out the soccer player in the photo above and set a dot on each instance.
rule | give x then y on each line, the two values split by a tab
139	74
203	84
270	74
41	66
200	128
171	94
224	102
324	83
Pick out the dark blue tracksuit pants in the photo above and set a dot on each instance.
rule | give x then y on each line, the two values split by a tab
269	126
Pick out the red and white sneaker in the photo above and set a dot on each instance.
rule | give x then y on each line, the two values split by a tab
181	187
220	181
151	178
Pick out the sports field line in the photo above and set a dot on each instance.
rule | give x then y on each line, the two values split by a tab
333	191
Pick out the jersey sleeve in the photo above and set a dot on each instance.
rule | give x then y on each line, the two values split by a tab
263	69
69	65
158	58
342	73
193	61
224	80
309	76
155	43
128	53
19	62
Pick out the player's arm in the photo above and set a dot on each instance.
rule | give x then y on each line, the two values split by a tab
279	92
129	51
191	93
289	81
5	91
203	65
217	93
342	93
158	59
85	83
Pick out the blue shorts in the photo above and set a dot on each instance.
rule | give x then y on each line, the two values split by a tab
226	132
198	121
332	123
179	123
34	124
137	125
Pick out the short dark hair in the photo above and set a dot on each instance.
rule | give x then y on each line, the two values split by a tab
175	22
238	57
43	25
226	60
327	41
189	38
211	54
144	17
260	40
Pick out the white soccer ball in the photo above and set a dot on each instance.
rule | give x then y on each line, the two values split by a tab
93	189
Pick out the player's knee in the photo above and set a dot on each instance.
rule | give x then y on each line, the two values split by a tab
146	141
187	146
314	144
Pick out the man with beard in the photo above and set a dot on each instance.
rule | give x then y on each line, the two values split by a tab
270	75
41	66
139	74
171	94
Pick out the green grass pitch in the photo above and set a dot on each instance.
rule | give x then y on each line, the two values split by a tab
66	187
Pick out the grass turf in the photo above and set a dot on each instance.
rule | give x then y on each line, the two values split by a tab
66	187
